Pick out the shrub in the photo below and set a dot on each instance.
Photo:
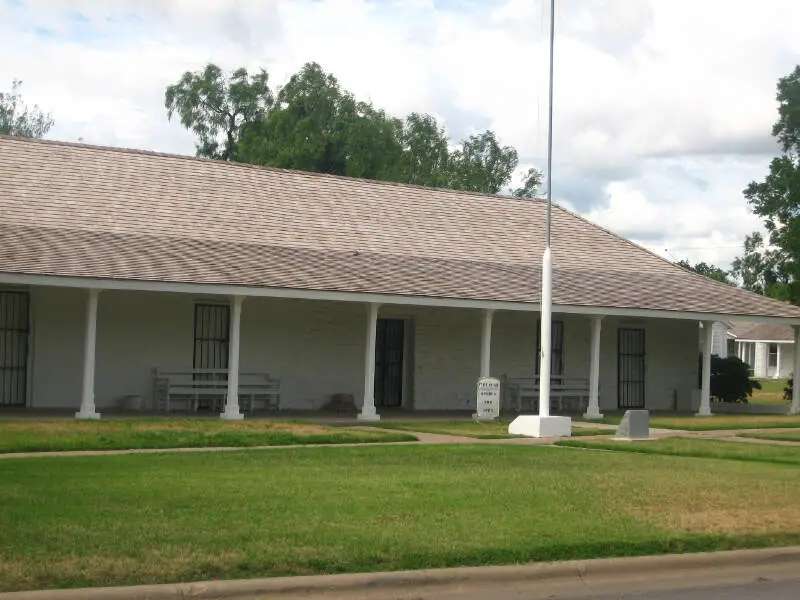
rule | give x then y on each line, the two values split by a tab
730	380
787	391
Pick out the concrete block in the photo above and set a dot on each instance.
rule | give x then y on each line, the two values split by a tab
635	424
536	426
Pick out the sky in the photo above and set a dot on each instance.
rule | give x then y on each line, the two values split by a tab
662	109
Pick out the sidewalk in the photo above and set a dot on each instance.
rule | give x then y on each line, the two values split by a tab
725	435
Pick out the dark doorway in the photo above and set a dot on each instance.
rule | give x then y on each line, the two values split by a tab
389	372
14	329
211	336
212	323
631	368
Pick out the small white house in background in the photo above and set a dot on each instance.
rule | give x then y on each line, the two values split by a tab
767	347
138	279
722	339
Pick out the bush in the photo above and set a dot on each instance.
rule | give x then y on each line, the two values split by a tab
787	391
730	380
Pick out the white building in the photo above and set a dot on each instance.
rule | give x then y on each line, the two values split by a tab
722	342
767	347
190	283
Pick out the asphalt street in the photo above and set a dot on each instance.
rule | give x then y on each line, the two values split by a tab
776	582
769	590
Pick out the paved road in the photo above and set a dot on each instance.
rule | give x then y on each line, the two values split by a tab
772	590
774	582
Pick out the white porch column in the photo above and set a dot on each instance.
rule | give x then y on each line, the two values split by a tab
232	412
761	359
778	362
87	410
486	344
705	392
593	410
368	412
795	407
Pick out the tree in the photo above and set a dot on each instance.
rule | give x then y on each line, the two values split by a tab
530	184
482	165
17	119
772	266
313	124
214	105
761	269
706	270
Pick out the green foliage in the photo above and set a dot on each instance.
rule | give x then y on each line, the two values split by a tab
706	270
17	119
313	124
316	126
212	104
788	390
730	379
530	184
772	266
425	157
761	269
481	164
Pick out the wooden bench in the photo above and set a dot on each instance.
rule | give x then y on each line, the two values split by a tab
192	388
566	394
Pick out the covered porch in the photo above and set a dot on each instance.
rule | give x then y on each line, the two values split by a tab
187	349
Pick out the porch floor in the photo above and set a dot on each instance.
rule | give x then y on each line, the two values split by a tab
314	416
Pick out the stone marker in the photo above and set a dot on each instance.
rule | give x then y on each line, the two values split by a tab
488	399
635	425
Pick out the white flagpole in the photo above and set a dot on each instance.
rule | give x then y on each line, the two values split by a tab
547	261
543	425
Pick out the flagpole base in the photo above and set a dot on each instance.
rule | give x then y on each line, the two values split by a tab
541	427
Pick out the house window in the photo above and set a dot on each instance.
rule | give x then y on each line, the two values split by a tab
773	356
211	336
556	347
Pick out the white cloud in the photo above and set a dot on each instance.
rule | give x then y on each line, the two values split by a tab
652	96
699	214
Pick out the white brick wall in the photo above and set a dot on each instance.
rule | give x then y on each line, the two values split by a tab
317	349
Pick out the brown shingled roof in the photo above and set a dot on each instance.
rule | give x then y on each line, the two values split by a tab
85	211
771	332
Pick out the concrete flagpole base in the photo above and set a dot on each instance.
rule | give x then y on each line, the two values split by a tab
87	415
231	416
368	417
541	427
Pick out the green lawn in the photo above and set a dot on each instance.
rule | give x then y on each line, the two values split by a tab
789	436
717	422
117	434
497	430
697	448
771	392
132	519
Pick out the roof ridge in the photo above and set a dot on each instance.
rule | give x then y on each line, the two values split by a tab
242	165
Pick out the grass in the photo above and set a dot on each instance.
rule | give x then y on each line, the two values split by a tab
771	392
718	422
472	429
124	434
789	436
134	519
697	448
